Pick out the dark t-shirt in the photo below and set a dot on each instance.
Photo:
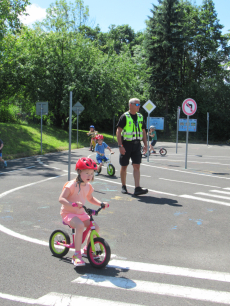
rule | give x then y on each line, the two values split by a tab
1	142
122	122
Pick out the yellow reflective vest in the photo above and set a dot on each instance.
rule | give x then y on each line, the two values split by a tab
131	131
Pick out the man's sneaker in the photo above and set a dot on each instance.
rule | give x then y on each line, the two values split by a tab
84	254
123	189
5	164
139	191
77	260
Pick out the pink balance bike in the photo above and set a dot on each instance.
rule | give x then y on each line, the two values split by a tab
98	250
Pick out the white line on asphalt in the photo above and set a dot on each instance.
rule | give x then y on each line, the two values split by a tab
170	270
141	174
61	299
227	188
219	191
213	195
193	161
188	183
10	171
203	199
154	288
23	237
186	172
155	191
28	185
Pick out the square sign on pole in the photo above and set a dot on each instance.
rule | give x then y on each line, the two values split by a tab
149	106
41	108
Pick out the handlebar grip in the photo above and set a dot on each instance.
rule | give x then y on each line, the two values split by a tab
74	205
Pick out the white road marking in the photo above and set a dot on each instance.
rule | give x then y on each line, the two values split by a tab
194	162
188	183
10	171
186	172
170	270
213	195
219	191
154	288
28	185
61	299
23	237
155	191
203	199
227	188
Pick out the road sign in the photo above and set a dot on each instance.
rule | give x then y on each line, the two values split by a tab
149	106
78	108
189	107
183	125
41	108
157	122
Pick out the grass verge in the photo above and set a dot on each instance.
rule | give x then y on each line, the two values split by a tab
23	140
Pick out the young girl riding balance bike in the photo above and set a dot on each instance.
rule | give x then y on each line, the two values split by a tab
72	198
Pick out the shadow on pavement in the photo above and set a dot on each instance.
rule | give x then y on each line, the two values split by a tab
159	201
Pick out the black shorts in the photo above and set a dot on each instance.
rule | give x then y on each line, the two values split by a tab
133	151
153	142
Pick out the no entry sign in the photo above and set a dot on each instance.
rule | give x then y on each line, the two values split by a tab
189	107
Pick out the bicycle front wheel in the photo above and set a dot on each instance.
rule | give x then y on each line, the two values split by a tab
110	170
163	151
102	254
57	238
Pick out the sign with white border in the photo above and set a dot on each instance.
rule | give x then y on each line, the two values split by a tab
189	107
149	106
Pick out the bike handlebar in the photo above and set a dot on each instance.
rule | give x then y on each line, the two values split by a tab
90	211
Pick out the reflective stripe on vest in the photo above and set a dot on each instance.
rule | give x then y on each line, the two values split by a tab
130	131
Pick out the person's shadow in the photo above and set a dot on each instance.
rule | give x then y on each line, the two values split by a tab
157	201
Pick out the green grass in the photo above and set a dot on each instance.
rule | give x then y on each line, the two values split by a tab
22	140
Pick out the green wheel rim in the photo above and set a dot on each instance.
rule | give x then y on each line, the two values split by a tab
59	249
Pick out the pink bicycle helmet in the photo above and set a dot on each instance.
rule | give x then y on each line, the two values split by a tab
99	136
85	163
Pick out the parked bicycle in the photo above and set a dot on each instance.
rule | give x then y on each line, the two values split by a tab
98	250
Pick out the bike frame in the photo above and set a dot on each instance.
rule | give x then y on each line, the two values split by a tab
93	233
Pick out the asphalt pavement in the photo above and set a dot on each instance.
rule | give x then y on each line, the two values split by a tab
169	247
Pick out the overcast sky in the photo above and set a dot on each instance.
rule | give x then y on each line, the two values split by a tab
118	12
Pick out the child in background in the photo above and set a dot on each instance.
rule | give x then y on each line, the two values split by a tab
100	150
153	135
93	134
76	192
1	159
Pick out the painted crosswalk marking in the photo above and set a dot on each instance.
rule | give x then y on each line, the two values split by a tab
170	270
61	299
154	288
213	195
203	199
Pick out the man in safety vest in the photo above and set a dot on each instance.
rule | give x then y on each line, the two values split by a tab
131	129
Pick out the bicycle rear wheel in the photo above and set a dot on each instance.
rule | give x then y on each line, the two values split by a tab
163	151
102	252
56	239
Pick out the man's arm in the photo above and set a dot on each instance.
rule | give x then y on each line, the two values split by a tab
118	133
145	141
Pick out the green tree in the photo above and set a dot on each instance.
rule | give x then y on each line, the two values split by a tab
10	10
64	16
164	44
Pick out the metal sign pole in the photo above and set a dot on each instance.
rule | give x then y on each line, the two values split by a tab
113	126
41	129
77	126
177	127
70	130
207	126
186	154
148	136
